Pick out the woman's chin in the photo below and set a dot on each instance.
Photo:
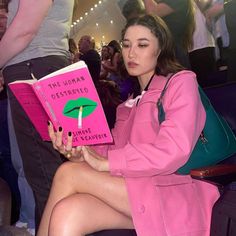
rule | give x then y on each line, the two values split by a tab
133	73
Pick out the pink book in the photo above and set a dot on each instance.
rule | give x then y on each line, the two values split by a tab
68	98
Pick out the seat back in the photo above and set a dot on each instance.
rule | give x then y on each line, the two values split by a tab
223	98
5	203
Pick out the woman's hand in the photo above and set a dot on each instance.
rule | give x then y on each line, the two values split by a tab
71	153
76	154
95	160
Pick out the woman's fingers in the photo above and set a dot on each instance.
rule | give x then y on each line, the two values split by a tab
68	145
73	154
59	134
51	132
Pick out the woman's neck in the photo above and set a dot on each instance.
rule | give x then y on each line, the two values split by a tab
144	80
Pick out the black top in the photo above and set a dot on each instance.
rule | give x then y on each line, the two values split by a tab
177	23
230	9
93	61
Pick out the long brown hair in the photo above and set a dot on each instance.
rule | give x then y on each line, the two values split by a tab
166	62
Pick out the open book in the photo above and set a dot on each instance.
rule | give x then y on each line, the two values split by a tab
68	98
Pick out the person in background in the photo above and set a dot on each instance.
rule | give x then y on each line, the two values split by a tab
112	66
110	98
133	8
7	170
179	17
27	204
228	8
102	187
73	49
90	56
105	59
117	72
202	55
35	43
23	213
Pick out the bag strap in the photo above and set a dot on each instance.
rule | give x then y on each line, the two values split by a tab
161	112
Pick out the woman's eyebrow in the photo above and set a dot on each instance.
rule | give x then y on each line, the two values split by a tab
142	39
139	39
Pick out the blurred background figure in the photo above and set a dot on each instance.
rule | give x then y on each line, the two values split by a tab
132	8
73	49
202	54
105	60
228	8
179	17
35	42
90	56
112	66
7	170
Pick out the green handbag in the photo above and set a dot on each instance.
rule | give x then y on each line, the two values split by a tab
216	142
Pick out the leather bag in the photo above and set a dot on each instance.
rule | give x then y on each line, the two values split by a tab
216	142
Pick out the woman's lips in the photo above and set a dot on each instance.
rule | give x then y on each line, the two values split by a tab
132	64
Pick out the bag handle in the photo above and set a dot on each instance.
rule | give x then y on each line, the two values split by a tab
161	112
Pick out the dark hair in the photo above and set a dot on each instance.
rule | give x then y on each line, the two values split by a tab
166	62
115	45
132	8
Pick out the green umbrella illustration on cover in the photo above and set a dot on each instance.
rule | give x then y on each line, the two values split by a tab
80	108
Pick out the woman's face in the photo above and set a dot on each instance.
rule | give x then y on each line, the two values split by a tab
140	51
105	53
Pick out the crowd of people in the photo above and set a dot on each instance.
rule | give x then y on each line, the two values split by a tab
191	41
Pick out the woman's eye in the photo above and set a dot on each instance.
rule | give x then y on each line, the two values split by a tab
125	45
143	45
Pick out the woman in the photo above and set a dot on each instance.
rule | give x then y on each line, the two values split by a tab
132	183
105	60
112	66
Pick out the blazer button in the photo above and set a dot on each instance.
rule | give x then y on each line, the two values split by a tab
141	209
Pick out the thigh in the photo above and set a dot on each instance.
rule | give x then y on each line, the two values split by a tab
81	178
82	214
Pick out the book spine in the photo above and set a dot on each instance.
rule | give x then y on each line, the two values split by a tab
46	105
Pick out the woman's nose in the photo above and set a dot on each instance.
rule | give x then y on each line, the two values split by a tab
131	53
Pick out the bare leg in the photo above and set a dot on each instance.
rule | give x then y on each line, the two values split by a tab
81	214
72	178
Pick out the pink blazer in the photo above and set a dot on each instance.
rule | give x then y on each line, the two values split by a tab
147	155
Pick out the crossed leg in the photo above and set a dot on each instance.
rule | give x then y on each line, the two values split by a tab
83	200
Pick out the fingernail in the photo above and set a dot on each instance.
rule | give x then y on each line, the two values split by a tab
60	129
69	133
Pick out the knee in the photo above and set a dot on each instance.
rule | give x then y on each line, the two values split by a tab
68	171
58	219
67	217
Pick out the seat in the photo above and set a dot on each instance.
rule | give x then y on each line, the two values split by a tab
5	213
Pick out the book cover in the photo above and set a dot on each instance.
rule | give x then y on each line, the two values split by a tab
68	98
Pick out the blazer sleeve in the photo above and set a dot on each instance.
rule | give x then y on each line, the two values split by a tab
176	138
